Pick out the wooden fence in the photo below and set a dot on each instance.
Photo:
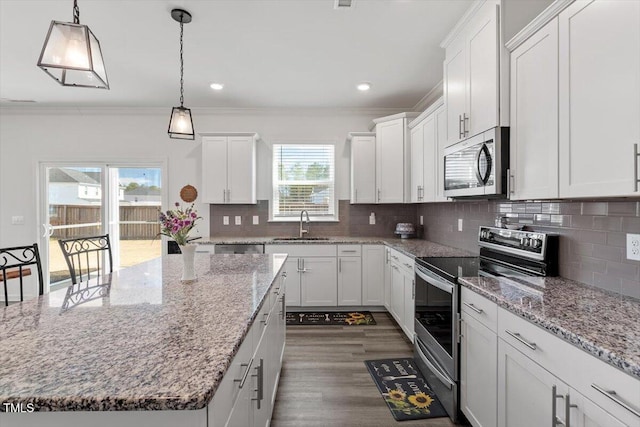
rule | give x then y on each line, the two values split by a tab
73	214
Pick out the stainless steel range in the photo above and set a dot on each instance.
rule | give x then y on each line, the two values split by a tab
437	303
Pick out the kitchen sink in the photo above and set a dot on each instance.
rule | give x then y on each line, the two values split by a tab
299	238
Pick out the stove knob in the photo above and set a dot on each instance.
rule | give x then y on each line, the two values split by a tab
536	243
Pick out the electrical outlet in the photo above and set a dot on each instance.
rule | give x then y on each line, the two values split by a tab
225	220
421	220
633	246
459	224
372	219
238	220
256	220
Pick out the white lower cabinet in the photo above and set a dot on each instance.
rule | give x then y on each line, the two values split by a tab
247	392
387	279
528	395
521	375
373	274
349	280
313	277
478	372
318	284
401	292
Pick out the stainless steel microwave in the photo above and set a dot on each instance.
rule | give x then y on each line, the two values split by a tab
477	166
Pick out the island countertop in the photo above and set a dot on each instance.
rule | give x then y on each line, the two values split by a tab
153	343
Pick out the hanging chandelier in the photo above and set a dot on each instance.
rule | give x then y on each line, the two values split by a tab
181	124
71	54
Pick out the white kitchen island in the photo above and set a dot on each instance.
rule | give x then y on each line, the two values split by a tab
148	350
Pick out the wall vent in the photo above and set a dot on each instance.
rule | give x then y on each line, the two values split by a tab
343	4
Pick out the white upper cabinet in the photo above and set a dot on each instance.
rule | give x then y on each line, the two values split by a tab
390	161
441	140
363	167
534	116
425	153
229	168
381	161
472	83
599	87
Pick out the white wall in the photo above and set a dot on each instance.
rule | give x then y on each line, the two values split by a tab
27	138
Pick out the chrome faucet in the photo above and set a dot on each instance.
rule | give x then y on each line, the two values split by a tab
302	230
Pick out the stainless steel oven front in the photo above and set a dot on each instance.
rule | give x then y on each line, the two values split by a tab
436	341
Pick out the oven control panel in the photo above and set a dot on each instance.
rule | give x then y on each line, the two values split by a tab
527	243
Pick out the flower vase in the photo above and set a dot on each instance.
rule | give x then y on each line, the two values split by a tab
188	262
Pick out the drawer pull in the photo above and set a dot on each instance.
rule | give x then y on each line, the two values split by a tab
408	265
351	251
611	394
517	336
246	373
474	308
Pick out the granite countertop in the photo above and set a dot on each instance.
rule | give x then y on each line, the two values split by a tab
603	324
153	343
410	247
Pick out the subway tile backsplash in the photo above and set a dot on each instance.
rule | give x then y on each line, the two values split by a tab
592	242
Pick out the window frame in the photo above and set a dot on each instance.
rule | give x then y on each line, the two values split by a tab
333	201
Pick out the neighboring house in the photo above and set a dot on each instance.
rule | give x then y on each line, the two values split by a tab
73	187
143	196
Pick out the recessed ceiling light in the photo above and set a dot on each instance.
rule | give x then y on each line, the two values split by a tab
364	86
217	86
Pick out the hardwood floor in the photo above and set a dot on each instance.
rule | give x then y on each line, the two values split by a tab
324	381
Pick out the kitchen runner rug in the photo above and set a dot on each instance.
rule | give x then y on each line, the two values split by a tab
404	389
330	318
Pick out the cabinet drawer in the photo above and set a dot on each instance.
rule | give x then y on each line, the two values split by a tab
480	308
401	260
349	250
309	250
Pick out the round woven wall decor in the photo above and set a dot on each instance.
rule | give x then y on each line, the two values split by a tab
188	193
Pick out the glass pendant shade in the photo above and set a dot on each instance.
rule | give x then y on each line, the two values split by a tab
181	125
72	56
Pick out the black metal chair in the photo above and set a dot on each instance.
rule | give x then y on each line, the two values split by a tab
87	255
14	264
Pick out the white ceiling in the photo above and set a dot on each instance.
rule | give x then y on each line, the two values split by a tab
268	53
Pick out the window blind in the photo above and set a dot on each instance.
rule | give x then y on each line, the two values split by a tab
303	179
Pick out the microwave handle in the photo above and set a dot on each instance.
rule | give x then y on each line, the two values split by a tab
483	150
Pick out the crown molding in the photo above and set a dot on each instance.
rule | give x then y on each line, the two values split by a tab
538	22
352	135
429	111
432	96
203	111
457	29
406	115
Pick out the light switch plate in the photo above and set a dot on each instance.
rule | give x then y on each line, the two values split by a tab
238	220
633	246
421	220
225	220
459	224
372	219
17	220
256	220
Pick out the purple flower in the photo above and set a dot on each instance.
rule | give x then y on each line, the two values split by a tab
177	204
193	215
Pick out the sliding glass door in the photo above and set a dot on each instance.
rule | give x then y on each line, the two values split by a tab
90	199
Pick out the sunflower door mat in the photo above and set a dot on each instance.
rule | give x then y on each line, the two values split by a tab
404	389
330	318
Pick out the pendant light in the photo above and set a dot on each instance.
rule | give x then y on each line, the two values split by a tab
181	124
72	56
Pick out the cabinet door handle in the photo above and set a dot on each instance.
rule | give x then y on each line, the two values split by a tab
245	375
378	194
339	265
554	407
474	308
284	306
260	377
636	156
465	120
519	337
611	394
413	289
567	409
460	134
224	196
510	190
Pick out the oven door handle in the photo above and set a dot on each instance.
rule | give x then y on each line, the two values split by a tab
433	280
433	368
